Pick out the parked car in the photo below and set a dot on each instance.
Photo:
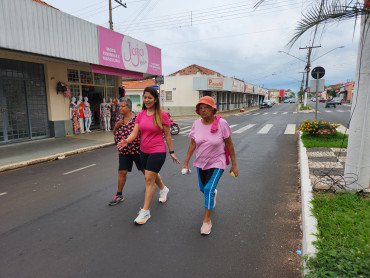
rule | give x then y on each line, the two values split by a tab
291	100
313	99
266	104
337	100
287	100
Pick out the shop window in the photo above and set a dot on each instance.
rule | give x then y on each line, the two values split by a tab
168	95
110	93
110	80
99	79
86	77
75	90
72	76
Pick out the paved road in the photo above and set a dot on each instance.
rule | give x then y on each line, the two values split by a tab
57	224
339	115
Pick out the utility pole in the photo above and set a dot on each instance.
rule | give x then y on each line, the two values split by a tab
302	83
307	68
110	11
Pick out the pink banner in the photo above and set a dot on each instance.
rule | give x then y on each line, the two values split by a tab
124	52
115	71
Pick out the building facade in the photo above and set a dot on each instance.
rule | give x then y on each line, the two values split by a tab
41	48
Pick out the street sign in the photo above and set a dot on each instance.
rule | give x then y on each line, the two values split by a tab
318	72
317	85
159	79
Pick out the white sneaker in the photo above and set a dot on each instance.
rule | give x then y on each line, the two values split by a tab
163	195
143	216
214	199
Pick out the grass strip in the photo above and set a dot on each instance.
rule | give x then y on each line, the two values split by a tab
334	140
343	223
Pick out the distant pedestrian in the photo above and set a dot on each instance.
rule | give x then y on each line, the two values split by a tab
211	138
128	154
152	123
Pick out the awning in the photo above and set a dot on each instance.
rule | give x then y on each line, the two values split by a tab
116	72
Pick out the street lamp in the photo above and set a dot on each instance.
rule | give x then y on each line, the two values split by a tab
291	55
327	52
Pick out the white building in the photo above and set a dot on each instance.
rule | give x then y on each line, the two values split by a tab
182	90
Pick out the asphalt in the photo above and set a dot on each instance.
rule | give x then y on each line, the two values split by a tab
17	155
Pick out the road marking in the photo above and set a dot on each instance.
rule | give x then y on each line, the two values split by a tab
290	129
4	193
328	111
244	128
285	113
274	113
265	113
79	169
256	114
233	126
185	130
294	112
265	129
340	111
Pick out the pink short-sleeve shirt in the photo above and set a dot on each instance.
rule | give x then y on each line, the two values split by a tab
210	147
151	136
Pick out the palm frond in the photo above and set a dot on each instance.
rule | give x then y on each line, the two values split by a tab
335	11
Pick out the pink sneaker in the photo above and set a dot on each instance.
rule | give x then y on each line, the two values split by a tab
206	228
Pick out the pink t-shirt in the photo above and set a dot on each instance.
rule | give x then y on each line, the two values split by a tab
210	147
151	136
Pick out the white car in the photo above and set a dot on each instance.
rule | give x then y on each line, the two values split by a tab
286	100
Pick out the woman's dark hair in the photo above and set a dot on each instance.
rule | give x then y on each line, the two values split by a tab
157	119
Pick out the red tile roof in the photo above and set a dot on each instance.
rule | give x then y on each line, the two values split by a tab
43	3
141	84
194	69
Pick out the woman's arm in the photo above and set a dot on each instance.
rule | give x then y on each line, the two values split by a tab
230	146
191	150
167	137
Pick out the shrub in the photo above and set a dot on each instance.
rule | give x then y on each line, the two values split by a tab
312	127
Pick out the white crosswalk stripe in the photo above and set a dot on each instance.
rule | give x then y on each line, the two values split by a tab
265	113
256	113
328	111
265	129
340	111
274	113
285	113
244	128
290	129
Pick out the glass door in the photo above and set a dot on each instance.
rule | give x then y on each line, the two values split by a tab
14	121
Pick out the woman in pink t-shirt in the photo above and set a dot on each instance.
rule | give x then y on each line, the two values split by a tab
152	123
209	137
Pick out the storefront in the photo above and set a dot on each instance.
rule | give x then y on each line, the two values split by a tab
37	55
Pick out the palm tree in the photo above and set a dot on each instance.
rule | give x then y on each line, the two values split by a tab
357	168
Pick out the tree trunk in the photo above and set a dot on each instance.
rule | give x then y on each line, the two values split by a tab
358	151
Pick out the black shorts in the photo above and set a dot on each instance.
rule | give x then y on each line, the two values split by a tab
126	161
152	161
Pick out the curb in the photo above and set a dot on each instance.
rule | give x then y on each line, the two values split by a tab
51	157
309	222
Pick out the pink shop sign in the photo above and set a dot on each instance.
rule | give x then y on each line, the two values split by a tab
123	52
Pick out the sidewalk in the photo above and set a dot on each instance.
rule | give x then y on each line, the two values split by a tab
18	155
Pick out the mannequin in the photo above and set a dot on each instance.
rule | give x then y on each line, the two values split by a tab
115	112
73	115
105	114
80	105
87	114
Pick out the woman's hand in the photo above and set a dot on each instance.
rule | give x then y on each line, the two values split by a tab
175	160
235	170
121	144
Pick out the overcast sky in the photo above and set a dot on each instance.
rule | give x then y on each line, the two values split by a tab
229	37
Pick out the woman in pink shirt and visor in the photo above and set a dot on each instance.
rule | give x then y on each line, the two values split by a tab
210	137
152	123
